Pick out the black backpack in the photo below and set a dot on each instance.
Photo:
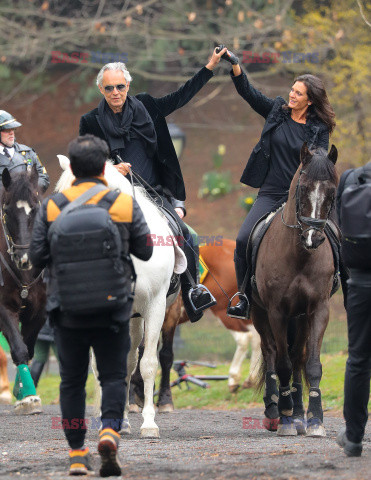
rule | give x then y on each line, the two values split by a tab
92	266
355	218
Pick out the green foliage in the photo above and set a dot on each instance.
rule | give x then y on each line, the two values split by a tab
216	183
247	202
218	396
88	90
342	37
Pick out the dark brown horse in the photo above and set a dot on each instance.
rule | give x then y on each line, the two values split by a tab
22	290
219	261
290	308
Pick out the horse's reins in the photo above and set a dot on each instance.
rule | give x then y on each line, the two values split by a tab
317	224
11	250
12	246
142	182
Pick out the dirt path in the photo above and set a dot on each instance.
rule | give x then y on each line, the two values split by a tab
194	444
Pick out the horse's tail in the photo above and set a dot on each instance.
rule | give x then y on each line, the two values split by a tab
260	382
297	334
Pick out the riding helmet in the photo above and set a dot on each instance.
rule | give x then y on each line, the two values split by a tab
7	121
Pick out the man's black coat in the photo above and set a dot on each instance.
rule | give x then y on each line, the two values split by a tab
167	162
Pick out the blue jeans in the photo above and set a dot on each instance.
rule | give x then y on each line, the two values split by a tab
263	204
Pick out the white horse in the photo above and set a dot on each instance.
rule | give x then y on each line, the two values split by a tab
153	281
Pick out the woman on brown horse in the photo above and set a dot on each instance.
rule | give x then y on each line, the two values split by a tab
308	117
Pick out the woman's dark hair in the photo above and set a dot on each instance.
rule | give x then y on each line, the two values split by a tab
320	107
88	155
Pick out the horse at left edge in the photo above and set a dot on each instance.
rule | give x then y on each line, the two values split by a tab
22	290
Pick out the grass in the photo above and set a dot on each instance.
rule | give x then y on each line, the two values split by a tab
209	341
217	396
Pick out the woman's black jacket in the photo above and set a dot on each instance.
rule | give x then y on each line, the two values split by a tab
316	132
166	160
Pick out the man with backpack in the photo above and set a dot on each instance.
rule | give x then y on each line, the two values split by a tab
354	212
84	235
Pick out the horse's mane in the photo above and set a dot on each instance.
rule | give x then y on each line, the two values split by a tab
117	180
320	167
20	188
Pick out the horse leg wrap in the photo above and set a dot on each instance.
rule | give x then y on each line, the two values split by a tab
315	412
285	403
23	383
297	398
271	395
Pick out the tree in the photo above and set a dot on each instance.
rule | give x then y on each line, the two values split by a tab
162	39
340	36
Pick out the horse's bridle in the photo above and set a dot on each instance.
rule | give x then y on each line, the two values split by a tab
12	248
318	224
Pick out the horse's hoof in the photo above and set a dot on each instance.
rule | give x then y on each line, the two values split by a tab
271	424
286	427
316	430
133	408
5	398
125	428
28	406
300	426
150	432
168	408
233	388
248	384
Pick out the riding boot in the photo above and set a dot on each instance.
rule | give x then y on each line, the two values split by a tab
36	371
195	298
242	309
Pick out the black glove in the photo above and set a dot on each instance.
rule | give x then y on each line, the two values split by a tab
231	58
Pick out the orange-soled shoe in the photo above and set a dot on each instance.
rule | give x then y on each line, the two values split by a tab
80	462
108	451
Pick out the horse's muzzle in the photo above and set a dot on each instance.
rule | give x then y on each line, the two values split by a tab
312	239
22	261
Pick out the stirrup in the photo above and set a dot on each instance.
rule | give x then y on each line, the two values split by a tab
203	307
239	294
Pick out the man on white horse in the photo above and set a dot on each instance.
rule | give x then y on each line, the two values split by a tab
91	271
138	137
15	156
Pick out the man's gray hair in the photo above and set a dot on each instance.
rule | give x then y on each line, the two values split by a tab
119	66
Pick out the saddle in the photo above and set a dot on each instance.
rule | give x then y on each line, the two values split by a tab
332	232
176	231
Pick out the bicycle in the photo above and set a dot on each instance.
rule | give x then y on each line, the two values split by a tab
180	367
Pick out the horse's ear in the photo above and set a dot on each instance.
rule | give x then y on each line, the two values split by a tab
6	178
34	176
64	161
305	154
333	155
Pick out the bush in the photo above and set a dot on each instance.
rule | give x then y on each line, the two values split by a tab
248	202
216	183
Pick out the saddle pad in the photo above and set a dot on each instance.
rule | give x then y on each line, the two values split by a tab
203	271
260	228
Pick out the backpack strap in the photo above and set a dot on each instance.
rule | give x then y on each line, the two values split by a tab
60	200
75	204
108	199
